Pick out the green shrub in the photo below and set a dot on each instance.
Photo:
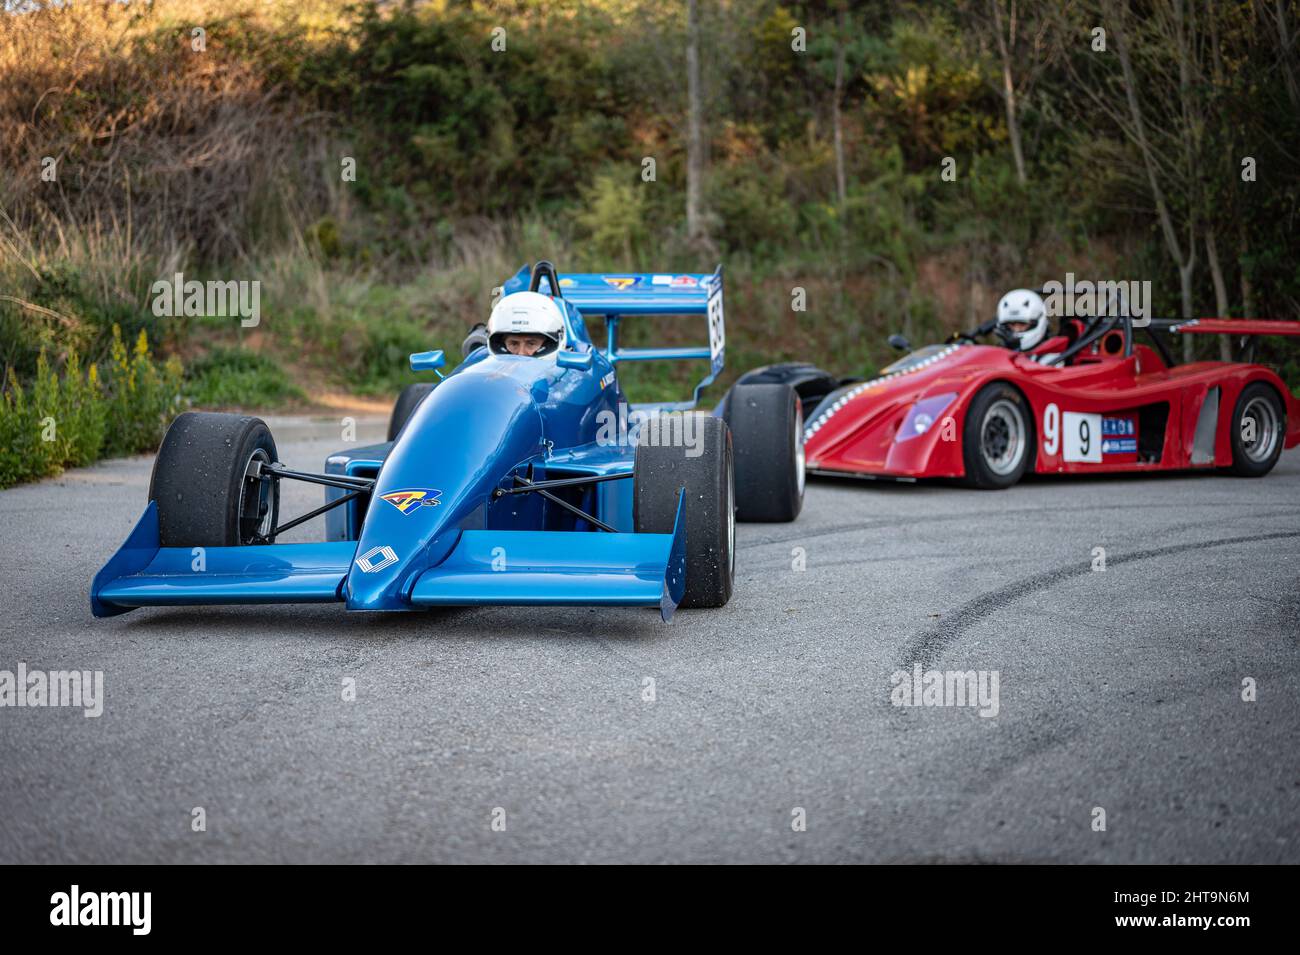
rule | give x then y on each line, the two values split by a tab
382	364
60	423
143	396
234	378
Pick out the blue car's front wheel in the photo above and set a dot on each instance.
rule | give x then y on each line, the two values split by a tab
691	451
209	485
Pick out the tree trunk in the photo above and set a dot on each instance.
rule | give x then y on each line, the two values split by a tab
841	182
1247	290
1285	57
1185	266
1220	292
1009	87
695	138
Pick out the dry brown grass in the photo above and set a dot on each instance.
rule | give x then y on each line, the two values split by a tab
157	145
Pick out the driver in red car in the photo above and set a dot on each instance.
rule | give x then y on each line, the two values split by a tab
1022	323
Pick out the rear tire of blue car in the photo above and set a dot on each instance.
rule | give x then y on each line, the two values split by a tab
710	515
203	483
407	402
766	422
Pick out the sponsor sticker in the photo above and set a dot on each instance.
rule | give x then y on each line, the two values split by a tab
621	282
661	280
411	498
684	281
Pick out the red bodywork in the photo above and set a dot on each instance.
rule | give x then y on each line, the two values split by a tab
1147	414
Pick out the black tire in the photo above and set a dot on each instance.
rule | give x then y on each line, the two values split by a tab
709	479
766	422
1259	405
200	482
998	437
407	402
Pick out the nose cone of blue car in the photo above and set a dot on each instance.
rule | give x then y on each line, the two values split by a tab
474	427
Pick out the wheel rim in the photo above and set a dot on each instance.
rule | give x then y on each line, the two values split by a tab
1261	411
800	464
256	501
1002	437
731	517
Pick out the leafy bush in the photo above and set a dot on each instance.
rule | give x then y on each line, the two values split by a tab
74	420
234	378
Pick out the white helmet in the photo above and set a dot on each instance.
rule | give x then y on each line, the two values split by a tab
526	313
1022	306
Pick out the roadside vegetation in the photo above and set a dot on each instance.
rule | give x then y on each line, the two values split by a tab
379	168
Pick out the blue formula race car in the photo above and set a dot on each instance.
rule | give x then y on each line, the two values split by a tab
522	477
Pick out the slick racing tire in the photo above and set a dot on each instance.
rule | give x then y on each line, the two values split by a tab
998	437
766	422
407	402
810	382
202	483
710	517
1258	431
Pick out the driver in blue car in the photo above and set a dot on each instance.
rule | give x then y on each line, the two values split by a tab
522	323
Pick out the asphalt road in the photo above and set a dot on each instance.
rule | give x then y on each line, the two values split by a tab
1118	690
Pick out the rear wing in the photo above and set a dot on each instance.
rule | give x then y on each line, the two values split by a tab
613	295
1248	328
1235	326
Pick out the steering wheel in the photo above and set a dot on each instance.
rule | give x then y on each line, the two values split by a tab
979	332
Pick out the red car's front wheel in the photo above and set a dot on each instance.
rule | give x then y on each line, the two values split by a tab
998	438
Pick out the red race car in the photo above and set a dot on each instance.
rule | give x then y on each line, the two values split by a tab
1089	399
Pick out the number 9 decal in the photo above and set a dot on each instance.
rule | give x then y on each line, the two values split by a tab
1051	429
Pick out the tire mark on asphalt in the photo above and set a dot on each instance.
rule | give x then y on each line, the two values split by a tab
975	515
927	646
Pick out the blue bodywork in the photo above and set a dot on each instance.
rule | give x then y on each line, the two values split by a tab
431	531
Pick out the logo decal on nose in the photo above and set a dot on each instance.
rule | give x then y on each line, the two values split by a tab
368	563
408	499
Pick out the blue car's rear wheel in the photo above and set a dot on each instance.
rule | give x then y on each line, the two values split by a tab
704	466
407	402
766	422
205	482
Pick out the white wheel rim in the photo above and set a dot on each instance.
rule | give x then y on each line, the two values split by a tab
266	524
1002	437
1260	410
800	462
731	517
